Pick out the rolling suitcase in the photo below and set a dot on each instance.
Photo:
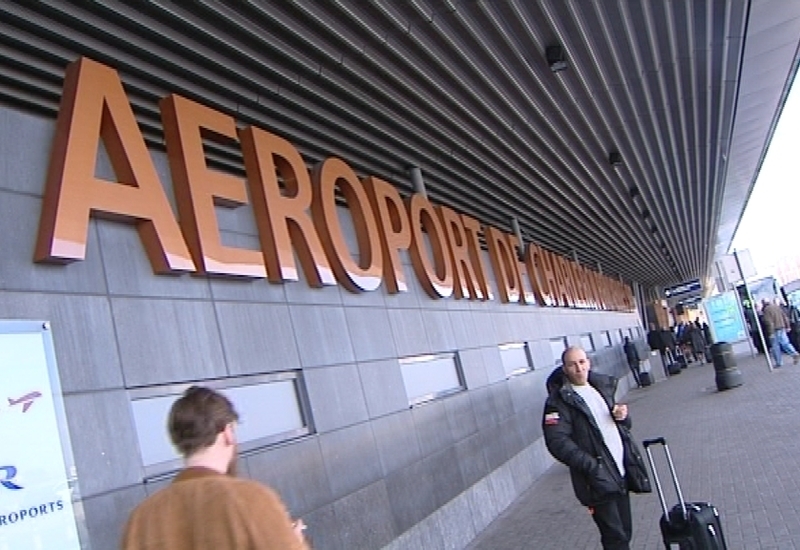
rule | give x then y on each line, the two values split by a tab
688	525
644	379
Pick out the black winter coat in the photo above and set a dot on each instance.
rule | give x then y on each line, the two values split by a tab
573	438
631	353
655	340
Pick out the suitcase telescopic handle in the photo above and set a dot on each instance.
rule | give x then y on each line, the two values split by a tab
662	441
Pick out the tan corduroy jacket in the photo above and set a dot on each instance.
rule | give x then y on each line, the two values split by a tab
202	509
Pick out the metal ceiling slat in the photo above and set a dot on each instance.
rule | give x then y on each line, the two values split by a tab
653	186
630	88
472	30
461	88
677	116
731	78
633	143
573	172
597	61
664	138
669	89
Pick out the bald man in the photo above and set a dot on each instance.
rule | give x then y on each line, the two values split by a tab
587	430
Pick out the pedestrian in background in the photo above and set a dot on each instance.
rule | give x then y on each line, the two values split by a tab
776	324
206	506
655	339
632	355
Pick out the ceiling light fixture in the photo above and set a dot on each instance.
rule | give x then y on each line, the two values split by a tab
556	58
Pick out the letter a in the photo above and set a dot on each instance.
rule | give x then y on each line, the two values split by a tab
94	105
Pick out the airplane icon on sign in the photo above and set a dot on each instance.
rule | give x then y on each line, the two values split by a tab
26	400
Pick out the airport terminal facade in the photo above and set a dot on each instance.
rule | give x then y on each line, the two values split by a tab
387	350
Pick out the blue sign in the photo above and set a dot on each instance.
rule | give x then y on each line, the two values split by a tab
724	318
688	287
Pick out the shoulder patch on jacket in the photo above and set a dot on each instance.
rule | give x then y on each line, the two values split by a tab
551	418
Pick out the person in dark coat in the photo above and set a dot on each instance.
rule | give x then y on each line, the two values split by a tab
632	355
588	431
670	353
707	334
655	339
698	343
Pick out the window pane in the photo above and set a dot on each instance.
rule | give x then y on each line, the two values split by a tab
557	347
427	377
586	342
515	358
269	411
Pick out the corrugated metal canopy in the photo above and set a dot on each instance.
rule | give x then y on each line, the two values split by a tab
687	92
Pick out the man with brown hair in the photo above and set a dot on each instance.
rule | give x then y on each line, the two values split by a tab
206	507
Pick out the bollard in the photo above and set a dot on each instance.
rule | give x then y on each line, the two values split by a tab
727	374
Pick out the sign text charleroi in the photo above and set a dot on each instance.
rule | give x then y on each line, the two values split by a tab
301	218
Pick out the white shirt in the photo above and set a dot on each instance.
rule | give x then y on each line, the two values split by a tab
606	423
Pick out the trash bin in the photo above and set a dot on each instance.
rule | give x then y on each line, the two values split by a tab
727	374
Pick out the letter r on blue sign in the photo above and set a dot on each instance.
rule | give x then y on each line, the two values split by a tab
10	472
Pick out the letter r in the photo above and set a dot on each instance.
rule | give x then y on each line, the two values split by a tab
10	472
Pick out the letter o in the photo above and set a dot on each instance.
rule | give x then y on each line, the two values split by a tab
366	274
436	277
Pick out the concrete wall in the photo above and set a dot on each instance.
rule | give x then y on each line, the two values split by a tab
375	472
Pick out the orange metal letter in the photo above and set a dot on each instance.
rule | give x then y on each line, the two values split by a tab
557	281
537	275
603	287
283	219
199	189
574	273
562	269
502	258
393	228
586	289
598	280
355	277
94	105
437	277
467	284
471	229
549	273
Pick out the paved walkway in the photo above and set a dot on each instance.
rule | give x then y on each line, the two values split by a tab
739	449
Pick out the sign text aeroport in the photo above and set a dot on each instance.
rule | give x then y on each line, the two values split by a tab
301	218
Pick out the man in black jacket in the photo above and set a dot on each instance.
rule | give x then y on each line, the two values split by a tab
588	431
